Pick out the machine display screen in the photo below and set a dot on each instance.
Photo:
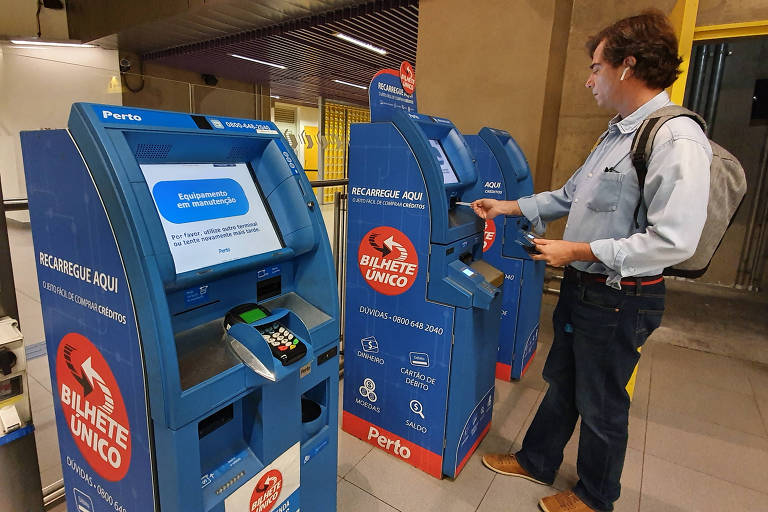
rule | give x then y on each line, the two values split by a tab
210	213
449	175
252	315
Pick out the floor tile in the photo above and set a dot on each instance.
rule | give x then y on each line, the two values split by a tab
513	403
714	370
638	410
51	475
704	402
717	319
46	439
411	490
720	452
61	507
533	377
40	397
510	493
631	482
30	319
351	451
23	260
350	498
671	488
758	379
37	368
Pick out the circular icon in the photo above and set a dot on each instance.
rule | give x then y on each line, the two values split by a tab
388	261
417	408
267	491
93	407
367	390
489	235
407	77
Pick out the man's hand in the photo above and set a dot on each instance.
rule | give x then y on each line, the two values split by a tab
490	208
560	253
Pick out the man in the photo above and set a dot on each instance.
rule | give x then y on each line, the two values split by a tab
612	295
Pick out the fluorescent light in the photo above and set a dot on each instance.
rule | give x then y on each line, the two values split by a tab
45	43
362	44
273	96
351	85
256	61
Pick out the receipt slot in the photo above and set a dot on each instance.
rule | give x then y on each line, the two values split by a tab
504	174
180	257
423	308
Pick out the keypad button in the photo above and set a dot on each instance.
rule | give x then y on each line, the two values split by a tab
282	347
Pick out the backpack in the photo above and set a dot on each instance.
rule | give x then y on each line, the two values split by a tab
727	187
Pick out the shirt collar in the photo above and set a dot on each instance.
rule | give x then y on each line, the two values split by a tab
632	122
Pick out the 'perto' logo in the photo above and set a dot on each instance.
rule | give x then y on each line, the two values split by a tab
489	235
267	491
388	260
93	407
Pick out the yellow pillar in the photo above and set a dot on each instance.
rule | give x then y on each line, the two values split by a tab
683	18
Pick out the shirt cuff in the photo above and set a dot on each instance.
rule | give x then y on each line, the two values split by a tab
609	254
530	210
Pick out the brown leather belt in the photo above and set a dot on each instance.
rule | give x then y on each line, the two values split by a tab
585	277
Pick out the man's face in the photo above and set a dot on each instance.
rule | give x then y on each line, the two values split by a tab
603	80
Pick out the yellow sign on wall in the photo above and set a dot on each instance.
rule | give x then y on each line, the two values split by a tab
310	148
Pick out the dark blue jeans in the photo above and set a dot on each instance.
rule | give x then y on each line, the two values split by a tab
598	331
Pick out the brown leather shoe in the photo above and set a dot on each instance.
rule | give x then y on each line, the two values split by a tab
506	464
565	501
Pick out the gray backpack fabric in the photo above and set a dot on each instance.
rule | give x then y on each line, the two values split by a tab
727	186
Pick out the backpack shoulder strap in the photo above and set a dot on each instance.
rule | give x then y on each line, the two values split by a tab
642	143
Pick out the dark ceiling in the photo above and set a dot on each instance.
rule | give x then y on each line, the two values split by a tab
311	53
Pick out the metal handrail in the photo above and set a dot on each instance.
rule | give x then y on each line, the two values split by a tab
329	183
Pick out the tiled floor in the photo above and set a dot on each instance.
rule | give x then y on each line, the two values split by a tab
698	425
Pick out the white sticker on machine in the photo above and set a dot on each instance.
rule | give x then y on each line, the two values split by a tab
274	489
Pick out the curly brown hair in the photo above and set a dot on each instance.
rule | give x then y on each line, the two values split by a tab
649	38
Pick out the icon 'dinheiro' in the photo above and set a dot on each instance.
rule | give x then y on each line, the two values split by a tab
388	260
93	407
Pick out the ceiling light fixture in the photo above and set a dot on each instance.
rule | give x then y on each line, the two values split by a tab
273	96
351	85
256	61
45	43
361	44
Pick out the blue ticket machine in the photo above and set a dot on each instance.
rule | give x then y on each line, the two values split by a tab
423	308
504	173
190	311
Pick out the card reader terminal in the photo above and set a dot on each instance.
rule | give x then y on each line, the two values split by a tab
525	239
283	343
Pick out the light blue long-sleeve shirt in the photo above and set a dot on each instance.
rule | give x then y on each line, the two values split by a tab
601	196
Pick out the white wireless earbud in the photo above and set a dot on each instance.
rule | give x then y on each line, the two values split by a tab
623	73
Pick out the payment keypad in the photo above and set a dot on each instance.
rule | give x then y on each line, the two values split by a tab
284	344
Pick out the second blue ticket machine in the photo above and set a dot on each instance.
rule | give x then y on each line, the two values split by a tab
423	308
505	175
190	310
